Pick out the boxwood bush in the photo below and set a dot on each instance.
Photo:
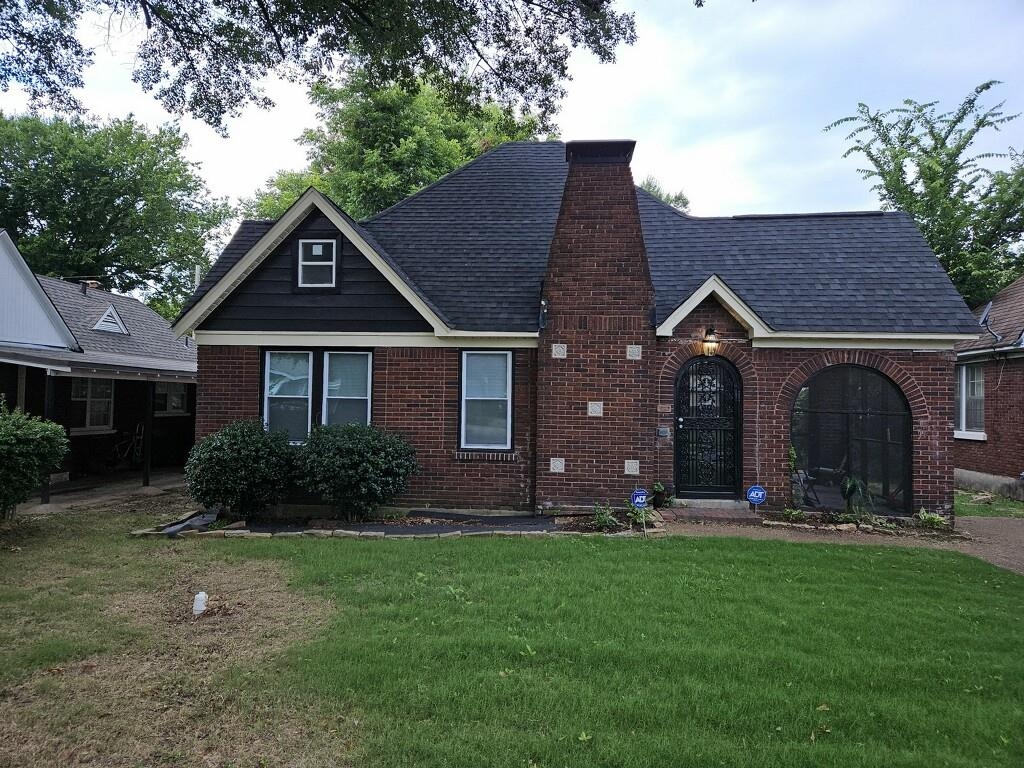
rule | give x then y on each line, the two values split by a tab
30	448
241	468
355	468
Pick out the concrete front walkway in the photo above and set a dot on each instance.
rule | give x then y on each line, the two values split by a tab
999	540
117	488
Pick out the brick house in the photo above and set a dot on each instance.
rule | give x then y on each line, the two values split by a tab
548	335
988	445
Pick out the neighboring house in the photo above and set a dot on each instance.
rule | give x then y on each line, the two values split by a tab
989	423
547	335
89	359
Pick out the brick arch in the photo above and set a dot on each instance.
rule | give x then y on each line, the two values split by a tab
897	375
736	354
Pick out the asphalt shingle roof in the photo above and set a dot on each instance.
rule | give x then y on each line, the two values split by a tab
149	343
476	244
1006	318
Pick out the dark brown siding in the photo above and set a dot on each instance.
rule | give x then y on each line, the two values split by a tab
269	300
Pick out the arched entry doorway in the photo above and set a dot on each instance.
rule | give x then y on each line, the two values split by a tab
851	435
708	444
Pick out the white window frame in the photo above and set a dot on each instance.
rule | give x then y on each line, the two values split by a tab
93	429
266	387
508	398
960	430
333	264
369	385
172	411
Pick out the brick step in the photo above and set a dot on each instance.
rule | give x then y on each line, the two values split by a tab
711	515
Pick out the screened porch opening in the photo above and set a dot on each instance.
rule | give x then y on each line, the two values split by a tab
851	443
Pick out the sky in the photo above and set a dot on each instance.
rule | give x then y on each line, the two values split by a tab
726	102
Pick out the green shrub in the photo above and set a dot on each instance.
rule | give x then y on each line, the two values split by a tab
30	448
242	468
928	519
355	468
604	518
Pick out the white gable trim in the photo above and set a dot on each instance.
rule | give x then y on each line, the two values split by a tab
111	322
60	328
762	335
469	339
715	286
284	226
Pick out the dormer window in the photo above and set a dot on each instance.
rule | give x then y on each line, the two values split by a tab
317	264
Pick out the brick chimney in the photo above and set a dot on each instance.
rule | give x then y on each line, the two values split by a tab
595	392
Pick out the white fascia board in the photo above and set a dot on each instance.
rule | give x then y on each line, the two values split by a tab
924	342
341	340
284	226
734	305
970	354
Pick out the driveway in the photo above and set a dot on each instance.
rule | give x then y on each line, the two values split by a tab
999	540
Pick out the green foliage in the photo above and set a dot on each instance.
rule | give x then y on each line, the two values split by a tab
977	504
794	515
242	468
207	58
677	200
379	144
793	458
604	518
931	519
920	162
114	202
30	448
658	487
355	468
856	494
640	516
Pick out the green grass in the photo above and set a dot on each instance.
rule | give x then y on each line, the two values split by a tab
694	652
998	506
576	651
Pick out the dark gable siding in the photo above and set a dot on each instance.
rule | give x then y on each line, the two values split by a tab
268	300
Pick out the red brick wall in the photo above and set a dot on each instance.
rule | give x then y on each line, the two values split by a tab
771	380
228	387
599	297
1003	452
416	393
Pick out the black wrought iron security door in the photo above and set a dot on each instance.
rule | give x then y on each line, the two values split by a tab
707	439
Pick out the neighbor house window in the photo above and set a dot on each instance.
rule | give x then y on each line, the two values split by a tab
169	399
347	385
286	405
970	401
486	400
92	404
317	264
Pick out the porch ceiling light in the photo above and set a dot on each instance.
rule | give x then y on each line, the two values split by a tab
710	343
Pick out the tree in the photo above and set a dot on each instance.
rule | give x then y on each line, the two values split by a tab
114	202
677	200
377	146
921	162
206	57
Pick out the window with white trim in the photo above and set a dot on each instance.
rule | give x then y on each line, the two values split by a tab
348	378
317	263
486	412
92	404
286	399
169	399
970	400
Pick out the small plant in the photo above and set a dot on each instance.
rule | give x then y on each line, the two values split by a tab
792	458
794	515
241	468
604	519
856	494
355	468
658	487
30	448
639	515
931	519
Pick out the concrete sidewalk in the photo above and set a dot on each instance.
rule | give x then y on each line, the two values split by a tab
61	501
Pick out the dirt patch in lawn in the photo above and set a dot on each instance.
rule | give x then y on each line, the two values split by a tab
191	691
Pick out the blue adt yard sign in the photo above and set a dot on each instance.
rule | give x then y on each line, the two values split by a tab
756	494
639	498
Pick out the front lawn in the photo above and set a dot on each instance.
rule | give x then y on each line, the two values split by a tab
548	652
977	504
